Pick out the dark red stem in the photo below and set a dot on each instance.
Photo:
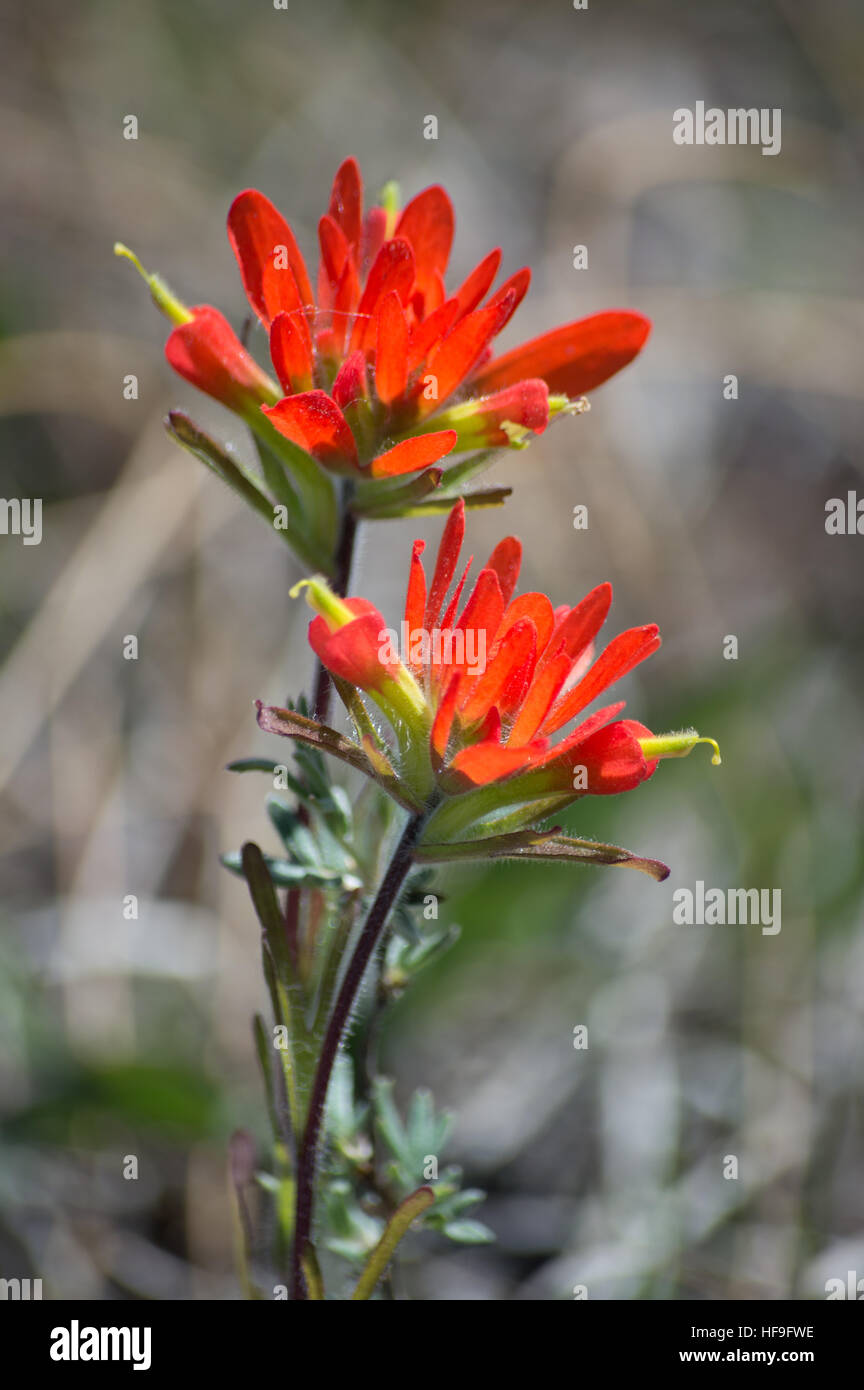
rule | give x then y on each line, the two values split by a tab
307	1158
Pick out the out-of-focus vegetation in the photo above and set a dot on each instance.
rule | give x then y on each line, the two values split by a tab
130	1036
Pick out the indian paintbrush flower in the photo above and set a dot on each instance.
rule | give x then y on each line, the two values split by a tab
381	370
380	373
480	743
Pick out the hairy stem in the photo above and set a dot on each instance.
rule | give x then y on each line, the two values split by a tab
374	925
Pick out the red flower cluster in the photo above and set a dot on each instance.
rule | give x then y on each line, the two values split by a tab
485	725
369	354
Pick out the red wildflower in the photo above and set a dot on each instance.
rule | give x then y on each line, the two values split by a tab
378	345
477	689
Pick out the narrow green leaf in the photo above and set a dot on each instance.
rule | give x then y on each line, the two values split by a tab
290	724
546	846
252	765
443	501
397	1228
469	1232
195	441
375	499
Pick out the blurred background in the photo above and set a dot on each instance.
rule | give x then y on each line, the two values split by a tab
604	1166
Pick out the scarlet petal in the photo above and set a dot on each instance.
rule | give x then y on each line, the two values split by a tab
391	352
506	561
509	669
350	383
623	653
425	335
415	599
485	606
472	290
613	759
512	292
291	351
334	253
257	231
313	420
346	202
582	623
490	728
452	359
560	753
374	236
393	271
526	404
572	359
536	607
354	652
435	295
445	563
207	352
338	285
345	301
548	680
641	731
452	606
427	223
443	722
488	762
481	618
413	454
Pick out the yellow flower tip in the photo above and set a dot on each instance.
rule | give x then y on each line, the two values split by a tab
163	297
716	760
121	250
325	603
678	745
390	199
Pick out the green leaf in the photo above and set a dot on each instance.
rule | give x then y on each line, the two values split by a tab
195	441
290	724
252	765
483	813
312	483
351	1232
469	1232
284	873
443	502
407	959
548	845
389	1121
397	1228
465	471
287	994
378	500
294	834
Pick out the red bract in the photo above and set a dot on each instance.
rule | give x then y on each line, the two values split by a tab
476	686
491	678
369	351
207	352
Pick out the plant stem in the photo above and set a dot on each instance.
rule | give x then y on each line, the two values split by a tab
372	928
344	559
